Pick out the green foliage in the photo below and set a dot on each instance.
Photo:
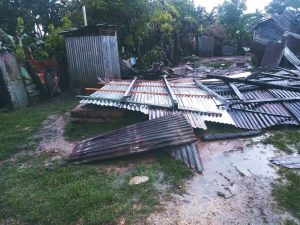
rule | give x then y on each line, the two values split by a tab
230	16
54	42
20	54
154	55
287	191
278	6
163	22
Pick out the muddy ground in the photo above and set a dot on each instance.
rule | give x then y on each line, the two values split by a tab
235	187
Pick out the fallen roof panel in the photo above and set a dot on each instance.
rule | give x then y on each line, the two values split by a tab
165	132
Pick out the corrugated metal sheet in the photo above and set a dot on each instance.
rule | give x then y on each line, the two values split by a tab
248	120
291	162
145	93
171	132
290	56
10	73
193	118
288	20
273	55
90	57
189	155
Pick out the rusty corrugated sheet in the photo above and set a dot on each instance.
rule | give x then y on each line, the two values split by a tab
90	57
10	73
166	132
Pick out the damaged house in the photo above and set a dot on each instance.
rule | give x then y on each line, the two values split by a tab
276	39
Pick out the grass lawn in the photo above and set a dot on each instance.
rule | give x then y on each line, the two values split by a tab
36	190
285	139
81	130
287	191
16	126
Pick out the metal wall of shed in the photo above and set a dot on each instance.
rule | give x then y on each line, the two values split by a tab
206	45
90	57
10	72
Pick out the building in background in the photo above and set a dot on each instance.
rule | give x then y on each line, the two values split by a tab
92	53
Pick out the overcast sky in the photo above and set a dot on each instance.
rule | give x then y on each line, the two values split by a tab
252	5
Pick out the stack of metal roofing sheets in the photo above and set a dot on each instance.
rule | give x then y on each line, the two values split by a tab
258	115
151	97
172	132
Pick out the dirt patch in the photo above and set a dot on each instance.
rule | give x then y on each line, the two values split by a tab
235	188
52	138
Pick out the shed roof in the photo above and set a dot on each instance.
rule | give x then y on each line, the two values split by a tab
97	29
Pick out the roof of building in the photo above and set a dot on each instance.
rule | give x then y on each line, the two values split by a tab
98	29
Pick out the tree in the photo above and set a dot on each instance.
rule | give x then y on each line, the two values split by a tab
230	16
37	15
278	6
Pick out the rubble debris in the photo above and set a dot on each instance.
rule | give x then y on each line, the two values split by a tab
166	132
138	180
248	101
290	162
45	74
225	136
276	38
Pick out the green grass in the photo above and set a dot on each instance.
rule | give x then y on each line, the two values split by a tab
16	126
82	130
287	191
284	139
289	222
34	191
215	128
85	194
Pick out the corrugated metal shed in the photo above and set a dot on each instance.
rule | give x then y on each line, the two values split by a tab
91	54
10	74
206	45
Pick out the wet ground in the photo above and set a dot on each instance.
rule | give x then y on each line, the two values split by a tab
235	188
52	136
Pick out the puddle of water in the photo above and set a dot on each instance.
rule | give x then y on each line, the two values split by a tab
235	187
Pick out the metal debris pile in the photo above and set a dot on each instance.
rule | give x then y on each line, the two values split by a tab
257	101
172	133
277	40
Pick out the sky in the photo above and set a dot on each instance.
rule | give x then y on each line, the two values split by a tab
252	5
